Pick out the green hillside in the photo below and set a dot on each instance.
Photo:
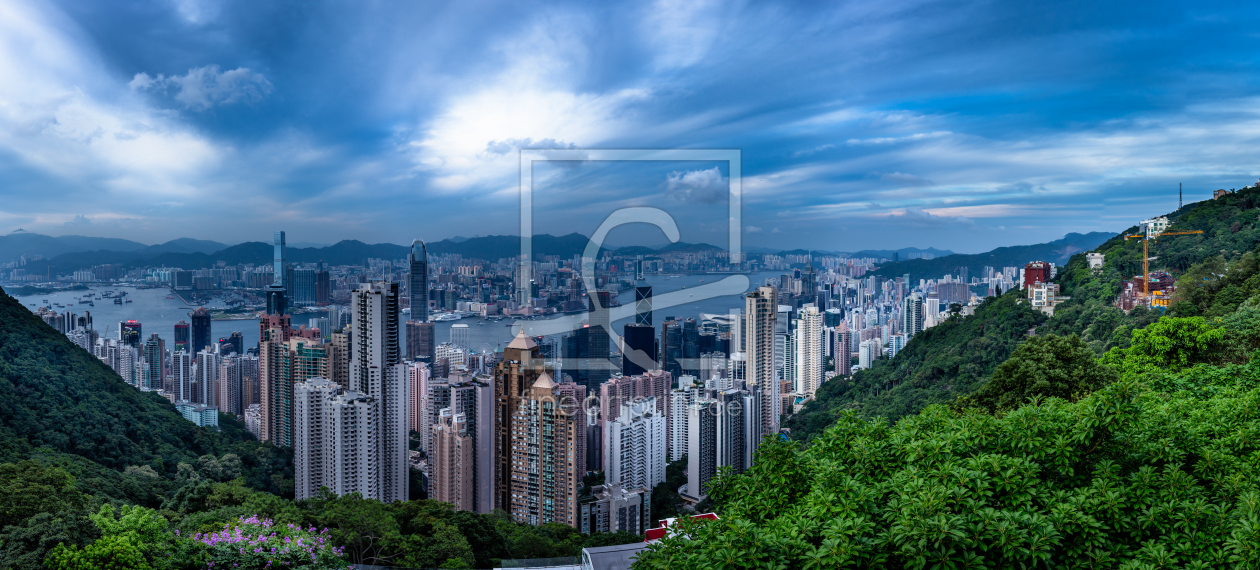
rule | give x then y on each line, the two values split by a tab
958	356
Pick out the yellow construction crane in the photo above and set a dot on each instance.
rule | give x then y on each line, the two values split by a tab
1146	271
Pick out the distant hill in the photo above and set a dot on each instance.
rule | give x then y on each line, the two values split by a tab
181	245
1057	251
13	246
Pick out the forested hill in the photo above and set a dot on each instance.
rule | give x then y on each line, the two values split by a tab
61	405
958	356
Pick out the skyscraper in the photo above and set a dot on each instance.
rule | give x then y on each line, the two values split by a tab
671	346
643	303
200	329
418	282
182	338
691	348
809	350
452	458
513	376
129	333
635	445
912	315
600	368
761	310
842	352
276	303
181	367
338	432
282	364
377	369
153	365
544	450
421	344
638	337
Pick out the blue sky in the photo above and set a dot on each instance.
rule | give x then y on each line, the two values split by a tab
959	125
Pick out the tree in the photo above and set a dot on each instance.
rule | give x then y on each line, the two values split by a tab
1043	367
1172	343
28	488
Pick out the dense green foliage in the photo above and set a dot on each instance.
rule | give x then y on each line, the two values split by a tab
949	359
1042	367
1129	477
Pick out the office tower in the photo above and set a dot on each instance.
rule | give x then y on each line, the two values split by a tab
228	385
452	461
577	347
233	343
206	377
842	352
614	508
337	434
281	364
459	335
376	368
129	333
544	474
182	338
635	445
302	289
599	367
152	367
181	367
200	329
323	286
912	315
643	304
672	346
638	337
418	284
421	344
340	352
520	368
276	302
761	308
809	350
691	348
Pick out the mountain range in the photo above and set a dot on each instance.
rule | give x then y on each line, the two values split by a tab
1057	251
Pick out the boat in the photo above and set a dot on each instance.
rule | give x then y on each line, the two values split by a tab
170	296
117	300
128	300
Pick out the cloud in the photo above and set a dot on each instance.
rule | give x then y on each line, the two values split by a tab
697	186
79	220
508	145
906	179
753	230
812	151
204	88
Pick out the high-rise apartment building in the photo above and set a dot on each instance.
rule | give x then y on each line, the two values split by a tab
613	508
544	471
153	371
181	368
912	315
809	350
229	385
513	377
338	432
377	369
635	445
452	458
339	354
842	352
281	365
625	389
761	313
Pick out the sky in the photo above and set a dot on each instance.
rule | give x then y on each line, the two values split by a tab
860	125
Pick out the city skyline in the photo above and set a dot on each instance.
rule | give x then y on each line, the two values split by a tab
1001	125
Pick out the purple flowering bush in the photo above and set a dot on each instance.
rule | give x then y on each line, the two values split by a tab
254	544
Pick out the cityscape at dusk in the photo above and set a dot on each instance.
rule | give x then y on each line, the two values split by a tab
398	285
